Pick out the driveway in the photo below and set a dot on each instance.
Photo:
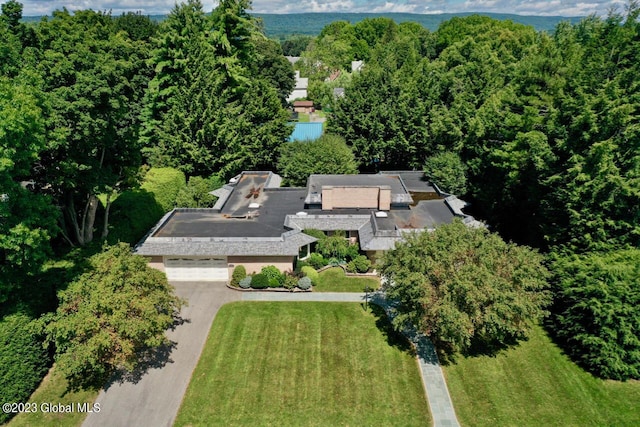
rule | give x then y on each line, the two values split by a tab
153	397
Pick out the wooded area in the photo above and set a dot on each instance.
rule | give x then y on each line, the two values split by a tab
540	131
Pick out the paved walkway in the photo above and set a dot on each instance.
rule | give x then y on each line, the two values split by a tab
432	377
153	397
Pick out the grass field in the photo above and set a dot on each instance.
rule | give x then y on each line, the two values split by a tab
304	364
536	385
53	390
334	280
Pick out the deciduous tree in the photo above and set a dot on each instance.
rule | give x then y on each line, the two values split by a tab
110	316
466	288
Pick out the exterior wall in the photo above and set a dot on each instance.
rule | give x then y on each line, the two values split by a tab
304	109
385	199
254	264
156	262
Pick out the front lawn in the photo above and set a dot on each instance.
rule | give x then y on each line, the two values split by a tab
304	364
335	280
536	385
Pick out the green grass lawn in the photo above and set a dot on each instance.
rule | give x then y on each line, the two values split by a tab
334	280
303	117
537	385
304	364
53	390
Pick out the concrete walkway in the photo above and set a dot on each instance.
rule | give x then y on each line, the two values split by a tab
153	397
432	377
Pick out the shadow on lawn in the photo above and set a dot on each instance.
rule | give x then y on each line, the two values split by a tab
394	338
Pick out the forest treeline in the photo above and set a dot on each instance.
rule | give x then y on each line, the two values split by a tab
542	127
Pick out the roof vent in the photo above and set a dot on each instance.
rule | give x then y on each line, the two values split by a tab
381	214
301	214
254	205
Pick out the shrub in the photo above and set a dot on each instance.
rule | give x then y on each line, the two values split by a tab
196	193
334	262
165	184
334	246
316	261
260	281
318	234
299	265
359	264
23	360
304	283
274	283
290	281
273	273
353	251
245	283
238	274
311	274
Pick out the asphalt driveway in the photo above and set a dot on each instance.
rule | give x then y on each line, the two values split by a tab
153	397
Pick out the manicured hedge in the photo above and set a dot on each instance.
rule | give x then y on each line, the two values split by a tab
311	273
23	360
260	281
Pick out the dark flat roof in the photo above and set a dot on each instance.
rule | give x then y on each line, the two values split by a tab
266	221
413	180
427	213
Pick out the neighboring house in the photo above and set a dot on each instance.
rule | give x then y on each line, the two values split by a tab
300	89
255	222
308	131
303	106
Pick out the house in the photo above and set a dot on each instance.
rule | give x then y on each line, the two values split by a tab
303	106
300	89
256	222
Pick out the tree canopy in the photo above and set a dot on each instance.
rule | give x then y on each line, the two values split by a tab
597	316
466	288
328	154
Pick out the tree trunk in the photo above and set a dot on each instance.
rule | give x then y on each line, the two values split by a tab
105	226
89	218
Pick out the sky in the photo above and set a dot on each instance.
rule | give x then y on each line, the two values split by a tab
520	7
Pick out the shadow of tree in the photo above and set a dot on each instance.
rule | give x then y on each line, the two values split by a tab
154	358
394	338
148	359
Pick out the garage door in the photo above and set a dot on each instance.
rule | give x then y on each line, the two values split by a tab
196	269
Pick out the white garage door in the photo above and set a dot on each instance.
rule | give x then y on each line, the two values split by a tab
196	269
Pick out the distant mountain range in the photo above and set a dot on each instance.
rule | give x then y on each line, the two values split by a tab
312	23
281	26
